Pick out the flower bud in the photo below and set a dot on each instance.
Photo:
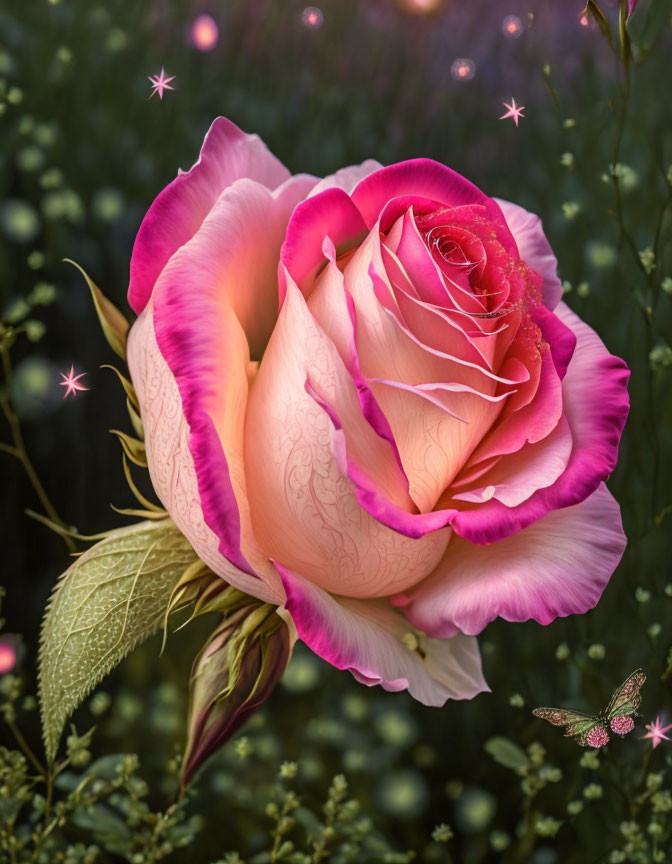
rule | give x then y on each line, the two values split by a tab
232	677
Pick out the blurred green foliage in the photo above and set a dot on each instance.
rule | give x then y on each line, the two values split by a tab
82	154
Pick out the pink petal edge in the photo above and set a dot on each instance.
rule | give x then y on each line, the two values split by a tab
364	637
556	567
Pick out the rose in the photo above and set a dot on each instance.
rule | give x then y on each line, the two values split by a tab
411	441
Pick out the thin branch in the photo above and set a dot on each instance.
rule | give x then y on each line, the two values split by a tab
18	450
23	744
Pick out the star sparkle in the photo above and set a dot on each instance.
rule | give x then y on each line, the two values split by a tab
71	382
515	112
656	732
160	83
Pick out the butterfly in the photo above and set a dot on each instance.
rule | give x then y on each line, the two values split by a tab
593	731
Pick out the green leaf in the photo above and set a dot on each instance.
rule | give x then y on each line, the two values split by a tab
102	821
506	752
112	598
115	326
129	389
593	8
107	767
132	447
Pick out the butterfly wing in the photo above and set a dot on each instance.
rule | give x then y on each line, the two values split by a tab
626	699
576	723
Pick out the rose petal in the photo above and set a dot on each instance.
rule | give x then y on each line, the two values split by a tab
561	338
364	637
304	508
206	304
556	567
425	276
347	178
595	402
424	178
535	466
333	309
432	444
171	466
435	326
531	422
329	214
227	154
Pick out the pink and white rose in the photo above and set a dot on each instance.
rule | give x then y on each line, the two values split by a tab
364	401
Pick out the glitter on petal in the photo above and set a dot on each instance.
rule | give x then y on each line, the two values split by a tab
622	724
204	32
512	27
312	17
597	737
71	382
463	69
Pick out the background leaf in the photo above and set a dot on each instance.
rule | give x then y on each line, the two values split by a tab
506	752
112	597
593	8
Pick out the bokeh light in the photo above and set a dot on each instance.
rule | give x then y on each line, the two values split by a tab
107	204
204	32
30	159
475	809
512	27
32	389
7	656
312	17
402	793
396	727
463	69
302	674
18	220
420	7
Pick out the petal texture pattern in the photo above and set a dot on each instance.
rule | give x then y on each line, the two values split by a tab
171	465
315	525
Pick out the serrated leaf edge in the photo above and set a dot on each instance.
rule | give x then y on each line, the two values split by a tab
52	740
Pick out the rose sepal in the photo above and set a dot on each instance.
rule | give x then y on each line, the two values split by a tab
233	675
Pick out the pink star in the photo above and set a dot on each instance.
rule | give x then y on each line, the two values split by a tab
71	382
656	732
515	111
160	83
